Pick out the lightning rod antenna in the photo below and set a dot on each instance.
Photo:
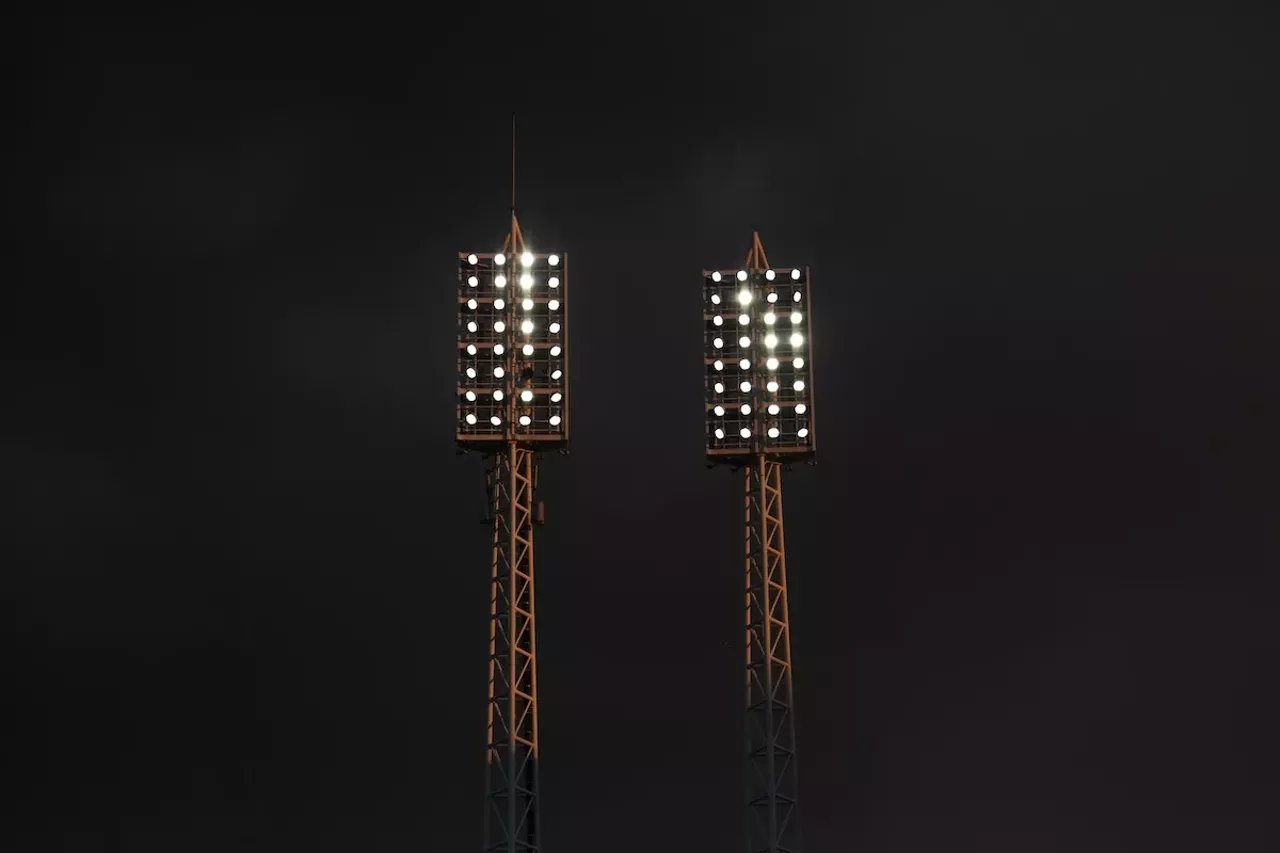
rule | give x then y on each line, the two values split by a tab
513	164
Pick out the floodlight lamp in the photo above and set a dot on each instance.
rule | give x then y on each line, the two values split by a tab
471	327
796	318
499	259
553	305
719	433
744	432
527	349
772	297
769	274
745	364
525	420
801	408
556	374
773	432
718	365
499	281
803	432
556	397
555	351
471	373
770	318
717	343
744	319
744	297
472	281
795	297
497	395
526	281
745	386
772	363
471	419
717	320
771	386
798	363
715	299
799	385
472	259
471	349
471	396
553	260
719	410
771	341
719	387
499	349
527	327
795	275
742	275
774	408
499	326
553	282
744	342
554	328
746	409
498	372
715	275
495	420
499	304
797	339
527	305
555	420
527	259
472	304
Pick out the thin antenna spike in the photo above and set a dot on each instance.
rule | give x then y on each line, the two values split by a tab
513	163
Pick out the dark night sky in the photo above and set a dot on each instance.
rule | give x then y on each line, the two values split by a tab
1033	576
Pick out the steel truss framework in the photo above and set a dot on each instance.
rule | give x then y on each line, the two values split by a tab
511	781
773	820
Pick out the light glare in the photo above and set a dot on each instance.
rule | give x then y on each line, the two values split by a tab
799	385
526	395
715	299
471	327
527	259
719	387
527	327
498	372
798	363
499	326
796	318
772	363
500	281
770	318
472	304
556	374
526	281
744	342
499	304
497	395
471	373
553	282
771	341
499	259
527	305
744	319
744	297
742	275
772	297
746	409
718	364
770	274
795	297
499	349
797	339
553	260
771	387
715	276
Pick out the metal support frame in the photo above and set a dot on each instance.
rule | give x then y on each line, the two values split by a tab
773	819
511	779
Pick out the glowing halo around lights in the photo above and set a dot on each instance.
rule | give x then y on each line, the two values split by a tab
771	387
770	318
797	339
527	327
499	259
471	419
772	297
796	318
744	342
553	260
744	297
472	259
772	363
526	281
771	341
499	281
527	259
527	305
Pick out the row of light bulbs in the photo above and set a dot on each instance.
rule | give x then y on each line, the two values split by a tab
527	327
769	319
770	386
772	364
774	432
526	259
527	304
770	340
773	409
745	297
499	372
527	349
526	395
742	275
526	281
525	420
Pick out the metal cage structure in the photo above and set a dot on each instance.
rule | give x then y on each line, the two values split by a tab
759	415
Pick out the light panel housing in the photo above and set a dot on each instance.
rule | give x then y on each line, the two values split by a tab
780	418
519	346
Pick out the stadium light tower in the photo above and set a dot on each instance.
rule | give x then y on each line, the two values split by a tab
513	403
759	416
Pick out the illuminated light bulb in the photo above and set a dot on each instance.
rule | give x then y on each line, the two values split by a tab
774	408
500	281
717	320
719	433
471	373
796	318
526	281
772	363
527	349
527	305
497	395
499	259
554	328
495	420
718	364
719	387
525	420
553	282
797	339
744	432
499	326
472	304
744	297
556	374
717	342
715	276
471	396
471	349
719	411
499	349
498	372
556	397
471	327
555	420
471	419
555	351
527	259
746	410
742	275
526	395
745	364
499	304
801	408
744	342
744	319
795	297
472	281
527	327
745	386
554	260
472	259
771	387
771	341
553	305
772	297
798	363
773	432
799	385
715	299
770	274
803	432
795	275
770	318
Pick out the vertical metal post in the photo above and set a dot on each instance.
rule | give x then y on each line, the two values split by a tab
511	783
773	824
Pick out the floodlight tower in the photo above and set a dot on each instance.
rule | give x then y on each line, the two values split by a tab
513	403
759	416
